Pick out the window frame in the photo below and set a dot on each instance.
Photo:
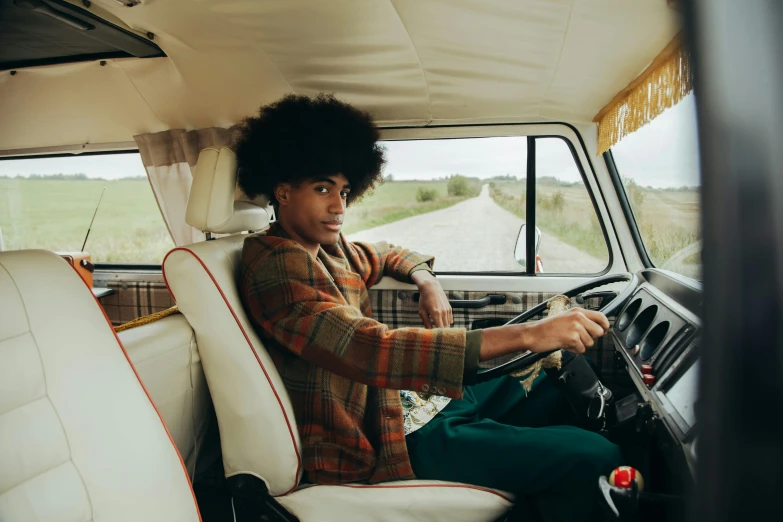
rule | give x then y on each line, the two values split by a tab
575	143
105	267
526	130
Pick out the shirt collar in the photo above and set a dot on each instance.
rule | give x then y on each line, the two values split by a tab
332	252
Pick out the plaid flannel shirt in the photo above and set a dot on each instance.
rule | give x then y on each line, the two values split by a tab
342	369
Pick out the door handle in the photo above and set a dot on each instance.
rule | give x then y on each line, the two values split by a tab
605	297
473	303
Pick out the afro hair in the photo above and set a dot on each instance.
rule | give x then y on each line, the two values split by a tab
299	138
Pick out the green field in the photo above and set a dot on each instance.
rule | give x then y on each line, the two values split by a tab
396	200
669	222
668	219
54	215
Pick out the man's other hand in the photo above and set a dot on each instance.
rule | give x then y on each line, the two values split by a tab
434	307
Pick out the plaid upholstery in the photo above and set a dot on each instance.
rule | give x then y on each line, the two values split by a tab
134	299
397	309
343	371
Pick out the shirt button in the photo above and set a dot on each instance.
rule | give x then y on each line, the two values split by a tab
442	391
425	388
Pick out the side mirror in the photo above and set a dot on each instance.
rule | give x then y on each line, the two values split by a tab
520	251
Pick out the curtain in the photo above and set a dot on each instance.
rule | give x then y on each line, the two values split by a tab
169	158
666	81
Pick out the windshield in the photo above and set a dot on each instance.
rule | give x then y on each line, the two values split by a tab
659	167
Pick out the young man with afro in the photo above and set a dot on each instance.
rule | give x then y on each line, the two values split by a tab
352	380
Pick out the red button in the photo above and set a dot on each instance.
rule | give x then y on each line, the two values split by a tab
649	380
646	369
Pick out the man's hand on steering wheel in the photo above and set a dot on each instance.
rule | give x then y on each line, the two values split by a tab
574	331
504	340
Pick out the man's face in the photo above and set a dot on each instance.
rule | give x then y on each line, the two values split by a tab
312	213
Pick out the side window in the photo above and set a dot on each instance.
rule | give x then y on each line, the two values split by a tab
463	201
48	203
572	241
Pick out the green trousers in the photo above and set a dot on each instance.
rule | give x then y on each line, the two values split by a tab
498	436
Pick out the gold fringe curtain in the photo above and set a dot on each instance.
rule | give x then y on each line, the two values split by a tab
664	83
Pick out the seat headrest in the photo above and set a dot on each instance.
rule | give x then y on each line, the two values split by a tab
213	205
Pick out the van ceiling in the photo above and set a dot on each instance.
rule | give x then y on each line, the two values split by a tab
407	62
44	32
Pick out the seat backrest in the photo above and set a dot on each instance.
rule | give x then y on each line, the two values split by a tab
79	437
258	431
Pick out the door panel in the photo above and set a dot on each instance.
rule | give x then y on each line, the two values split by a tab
135	295
397	308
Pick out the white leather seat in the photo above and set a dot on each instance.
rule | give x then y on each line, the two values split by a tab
257	426
79	437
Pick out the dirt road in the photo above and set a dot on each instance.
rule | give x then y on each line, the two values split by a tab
476	235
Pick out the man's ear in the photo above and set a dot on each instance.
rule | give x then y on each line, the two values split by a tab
281	193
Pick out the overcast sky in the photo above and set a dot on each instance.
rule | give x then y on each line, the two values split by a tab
109	166
661	154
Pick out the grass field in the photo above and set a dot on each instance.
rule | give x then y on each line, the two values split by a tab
668	219
54	215
669	222
397	200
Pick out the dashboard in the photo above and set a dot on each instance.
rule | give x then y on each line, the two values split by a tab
658	335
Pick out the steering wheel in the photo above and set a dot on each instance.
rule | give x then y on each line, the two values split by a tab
529	358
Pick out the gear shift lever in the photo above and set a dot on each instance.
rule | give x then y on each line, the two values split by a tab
622	498
620	493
